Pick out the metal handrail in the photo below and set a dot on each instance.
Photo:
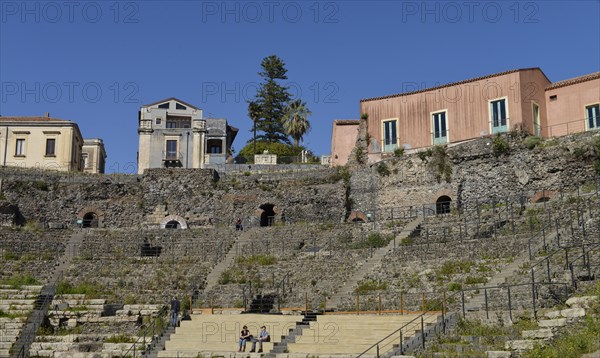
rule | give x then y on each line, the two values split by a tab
149	329
442	302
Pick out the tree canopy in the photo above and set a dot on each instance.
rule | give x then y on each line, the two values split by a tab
271	101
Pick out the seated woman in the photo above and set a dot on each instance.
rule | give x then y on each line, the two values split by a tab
244	337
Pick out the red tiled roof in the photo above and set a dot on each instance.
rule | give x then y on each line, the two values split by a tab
452	84
574	80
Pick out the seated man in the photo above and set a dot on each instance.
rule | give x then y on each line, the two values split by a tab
263	336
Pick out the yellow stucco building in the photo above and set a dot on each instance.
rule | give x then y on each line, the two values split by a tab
41	142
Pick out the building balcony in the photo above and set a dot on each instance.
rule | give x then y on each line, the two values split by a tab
172	159
215	159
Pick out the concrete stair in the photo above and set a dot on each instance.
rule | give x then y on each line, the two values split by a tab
215	334
354	334
348	287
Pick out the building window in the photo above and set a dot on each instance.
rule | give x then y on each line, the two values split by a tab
593	116
179	106
158	121
86	160
50	147
553	98
164	106
390	136
171	150
498	114
440	128
20	148
214	146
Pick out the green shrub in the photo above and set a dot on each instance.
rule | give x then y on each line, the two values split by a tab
40	185
532	141
473	280
453	267
454	286
382	169
398	152
360	155
377	240
500	146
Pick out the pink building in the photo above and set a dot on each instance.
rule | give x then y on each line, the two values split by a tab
343	138
523	99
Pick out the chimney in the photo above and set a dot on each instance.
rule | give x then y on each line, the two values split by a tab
47	114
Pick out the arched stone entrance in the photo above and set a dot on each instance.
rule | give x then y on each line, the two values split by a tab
90	217
173	222
267	216
357	216
443	204
541	196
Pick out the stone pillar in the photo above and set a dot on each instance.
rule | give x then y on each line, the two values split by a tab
198	145
145	137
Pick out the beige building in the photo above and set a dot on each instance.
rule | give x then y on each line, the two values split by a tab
523	99
94	156
41	142
173	134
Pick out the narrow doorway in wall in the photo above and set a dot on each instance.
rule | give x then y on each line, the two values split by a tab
90	220
442	205
173	224
537	127
267	217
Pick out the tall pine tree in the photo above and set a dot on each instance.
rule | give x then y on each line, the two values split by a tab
271	99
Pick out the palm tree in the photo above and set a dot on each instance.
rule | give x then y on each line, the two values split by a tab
295	120
254	112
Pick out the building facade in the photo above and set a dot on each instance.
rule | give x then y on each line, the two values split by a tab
173	134
523	99
343	138
94	156
41	142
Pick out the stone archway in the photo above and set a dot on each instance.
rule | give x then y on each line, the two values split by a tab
541	196
90	217
173	222
267	215
443	205
357	216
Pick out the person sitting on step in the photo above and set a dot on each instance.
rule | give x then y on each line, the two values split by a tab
244	337
263	336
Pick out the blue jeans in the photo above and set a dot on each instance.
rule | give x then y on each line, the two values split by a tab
243	343
174	318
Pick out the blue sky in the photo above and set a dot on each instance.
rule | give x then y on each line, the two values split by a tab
96	62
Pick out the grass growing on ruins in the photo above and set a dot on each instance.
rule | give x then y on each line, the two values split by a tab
17	281
10	315
453	267
260	260
578	340
120	338
371	285
374	240
91	290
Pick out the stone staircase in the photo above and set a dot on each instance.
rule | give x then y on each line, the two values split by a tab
16	305
370	264
212	279
42	302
